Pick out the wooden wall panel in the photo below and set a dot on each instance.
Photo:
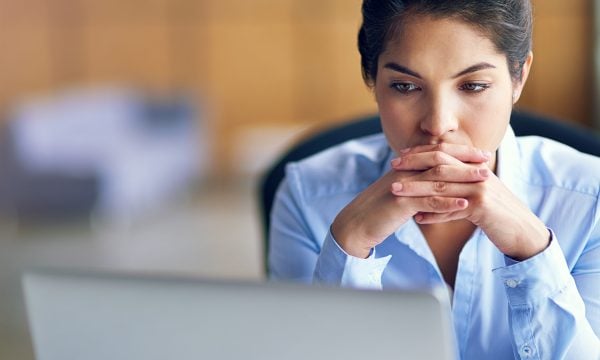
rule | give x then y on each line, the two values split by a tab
314	71
24	12
352	96
256	63
561	7
561	81
125	12
329	85
26	62
249	79
249	11
128	54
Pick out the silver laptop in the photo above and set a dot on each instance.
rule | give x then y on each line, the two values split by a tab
97	316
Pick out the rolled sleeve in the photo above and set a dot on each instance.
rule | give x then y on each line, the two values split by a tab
336	267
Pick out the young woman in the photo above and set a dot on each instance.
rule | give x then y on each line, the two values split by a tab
448	195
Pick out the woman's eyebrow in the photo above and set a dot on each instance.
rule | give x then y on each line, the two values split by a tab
402	69
474	68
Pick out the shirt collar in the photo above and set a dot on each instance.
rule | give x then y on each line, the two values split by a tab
509	165
387	165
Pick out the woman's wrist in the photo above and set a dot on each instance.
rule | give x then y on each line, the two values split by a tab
348	242
531	243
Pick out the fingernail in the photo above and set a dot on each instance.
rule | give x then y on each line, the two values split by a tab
397	187
404	151
484	172
419	218
486	154
461	202
396	162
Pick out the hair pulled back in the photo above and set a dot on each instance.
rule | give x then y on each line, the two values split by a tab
507	23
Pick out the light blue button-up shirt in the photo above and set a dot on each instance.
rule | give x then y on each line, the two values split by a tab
546	307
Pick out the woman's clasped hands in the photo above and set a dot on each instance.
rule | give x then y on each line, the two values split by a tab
436	184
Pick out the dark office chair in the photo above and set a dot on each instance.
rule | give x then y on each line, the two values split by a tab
523	123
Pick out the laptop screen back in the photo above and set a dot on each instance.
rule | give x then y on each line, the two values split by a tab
109	316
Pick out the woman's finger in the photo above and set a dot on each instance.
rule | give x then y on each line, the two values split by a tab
423	161
432	188
464	153
433	204
435	218
452	173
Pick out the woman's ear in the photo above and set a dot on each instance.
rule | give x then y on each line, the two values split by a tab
518	87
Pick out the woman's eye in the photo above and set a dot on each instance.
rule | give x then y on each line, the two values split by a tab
405	88
474	87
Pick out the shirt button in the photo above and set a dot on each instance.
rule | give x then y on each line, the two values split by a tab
511	283
526	350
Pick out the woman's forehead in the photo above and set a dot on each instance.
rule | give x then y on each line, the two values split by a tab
439	40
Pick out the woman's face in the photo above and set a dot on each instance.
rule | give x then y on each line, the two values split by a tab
443	81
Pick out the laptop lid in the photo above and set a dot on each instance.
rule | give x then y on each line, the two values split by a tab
99	316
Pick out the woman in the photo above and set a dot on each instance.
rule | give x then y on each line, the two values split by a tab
448	195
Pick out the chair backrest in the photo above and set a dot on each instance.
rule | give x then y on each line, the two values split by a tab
523	123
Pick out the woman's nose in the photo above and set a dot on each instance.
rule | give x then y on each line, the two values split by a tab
440	119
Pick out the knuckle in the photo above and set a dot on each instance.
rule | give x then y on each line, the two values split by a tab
434	203
439	170
439	186
407	160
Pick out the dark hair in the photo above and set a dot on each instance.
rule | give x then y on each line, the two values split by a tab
507	23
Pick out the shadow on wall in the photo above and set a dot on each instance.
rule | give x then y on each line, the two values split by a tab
114	152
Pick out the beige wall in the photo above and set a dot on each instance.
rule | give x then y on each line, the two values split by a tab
256	63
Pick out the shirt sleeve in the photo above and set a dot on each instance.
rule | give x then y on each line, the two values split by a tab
293	252
548	314
336	267
295	255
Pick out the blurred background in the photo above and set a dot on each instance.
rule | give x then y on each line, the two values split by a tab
133	132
